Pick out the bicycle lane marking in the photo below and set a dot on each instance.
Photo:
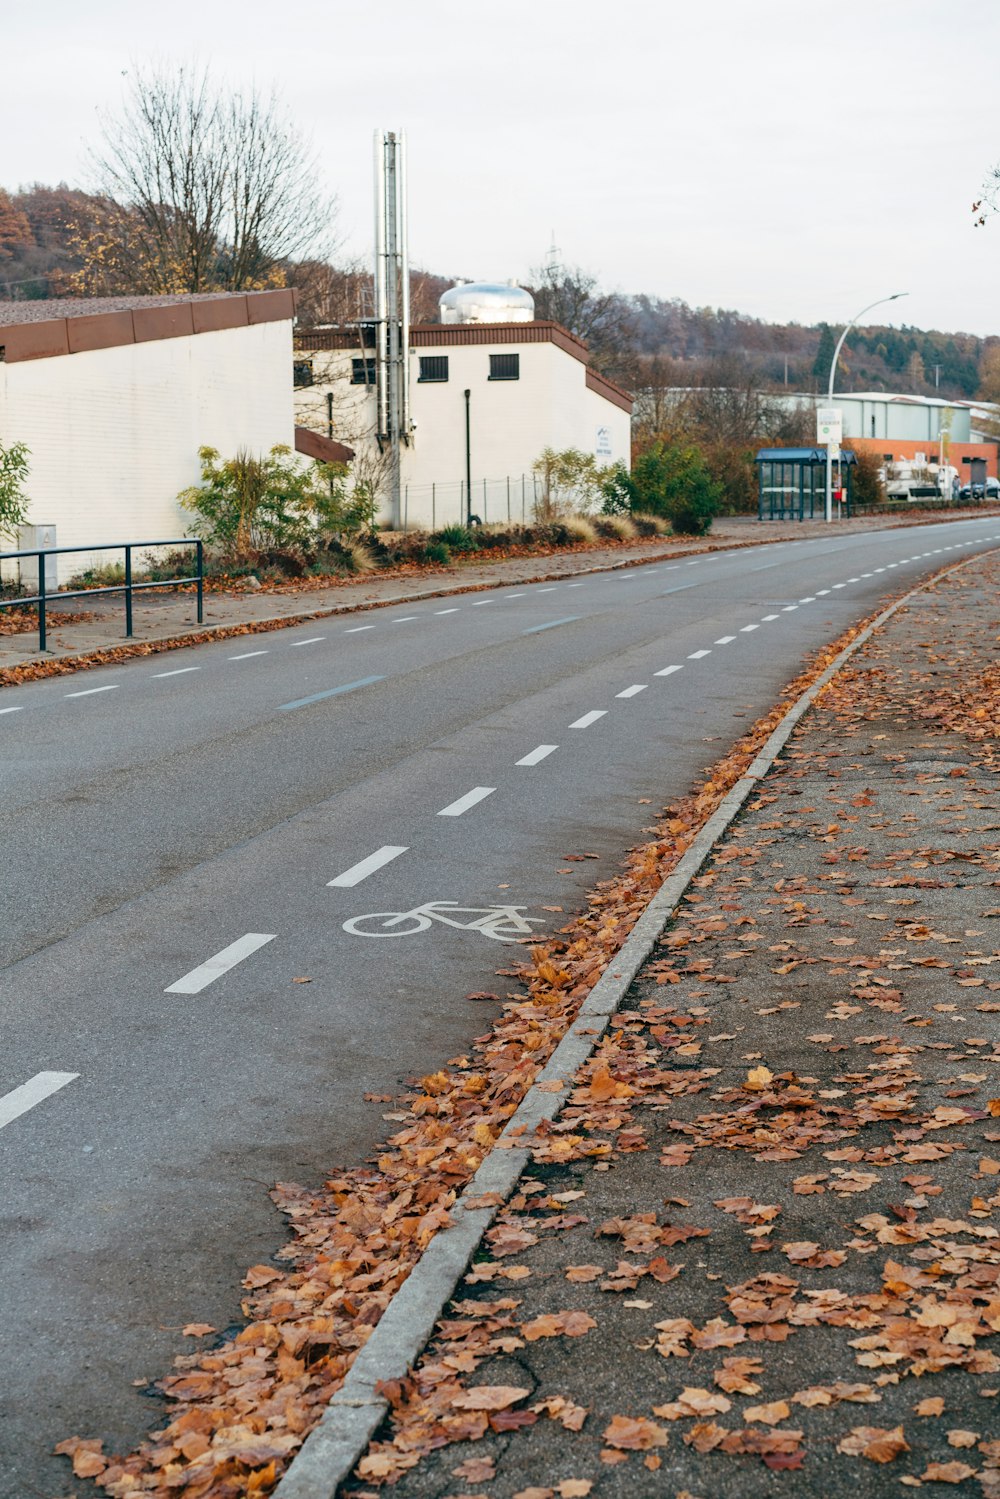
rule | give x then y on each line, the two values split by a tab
470	799
365	867
498	923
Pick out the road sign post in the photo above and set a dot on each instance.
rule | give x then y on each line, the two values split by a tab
830	432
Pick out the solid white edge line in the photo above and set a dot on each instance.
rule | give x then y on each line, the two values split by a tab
89	692
470	799
588	718
540	752
634	690
221	962
365	867
668	671
355	1412
19	1100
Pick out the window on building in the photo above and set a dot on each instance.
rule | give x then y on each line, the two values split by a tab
302	373
505	366
434	367
362	372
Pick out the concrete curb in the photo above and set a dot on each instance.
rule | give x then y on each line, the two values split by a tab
330	1452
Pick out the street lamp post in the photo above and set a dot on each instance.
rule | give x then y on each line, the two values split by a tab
829	394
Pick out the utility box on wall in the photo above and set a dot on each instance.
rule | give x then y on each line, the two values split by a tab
34	538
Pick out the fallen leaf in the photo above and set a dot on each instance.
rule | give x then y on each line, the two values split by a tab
634	1434
489	1397
879	1444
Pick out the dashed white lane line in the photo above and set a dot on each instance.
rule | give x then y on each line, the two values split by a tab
470	799
247	655
34	1091
789	608
822	592
569	619
745	629
540	752
404	619
810	598
575	585
365	867
589	718
513	595
357	629
633	691
547	590
446	611
725	640
476	604
854	580
206	973
767	618
18	709
840	585
697	655
179	671
89	691
667	671
311	641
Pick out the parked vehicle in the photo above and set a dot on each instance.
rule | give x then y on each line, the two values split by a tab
975	491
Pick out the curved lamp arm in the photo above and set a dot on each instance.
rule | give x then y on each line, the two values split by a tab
840	341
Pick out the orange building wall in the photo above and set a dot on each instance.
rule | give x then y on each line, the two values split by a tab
901	447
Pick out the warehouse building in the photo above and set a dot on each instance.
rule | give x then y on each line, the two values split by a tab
487	390
114	396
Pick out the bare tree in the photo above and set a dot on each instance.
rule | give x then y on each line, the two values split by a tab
222	187
604	320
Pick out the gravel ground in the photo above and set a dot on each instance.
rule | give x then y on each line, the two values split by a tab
758	1253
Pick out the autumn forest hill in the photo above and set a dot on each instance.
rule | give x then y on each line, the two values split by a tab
48	249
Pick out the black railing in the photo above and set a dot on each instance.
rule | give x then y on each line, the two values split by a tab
43	598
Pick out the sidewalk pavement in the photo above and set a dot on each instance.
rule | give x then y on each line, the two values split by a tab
168	618
758	1251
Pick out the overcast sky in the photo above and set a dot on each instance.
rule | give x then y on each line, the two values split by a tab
788	159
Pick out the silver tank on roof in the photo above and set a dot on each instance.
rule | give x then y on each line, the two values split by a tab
487	302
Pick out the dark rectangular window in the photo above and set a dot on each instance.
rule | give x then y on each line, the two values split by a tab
434	367
505	366
362	372
302	373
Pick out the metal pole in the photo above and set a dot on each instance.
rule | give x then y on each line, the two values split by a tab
41	601
468	459
434	507
829	393
128	593
201	581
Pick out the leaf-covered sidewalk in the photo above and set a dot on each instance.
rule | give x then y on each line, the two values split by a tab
758	1252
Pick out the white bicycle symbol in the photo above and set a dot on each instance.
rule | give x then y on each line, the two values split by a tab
501	923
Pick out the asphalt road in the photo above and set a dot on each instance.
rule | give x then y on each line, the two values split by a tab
188	834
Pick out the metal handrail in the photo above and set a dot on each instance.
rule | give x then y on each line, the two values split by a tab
128	588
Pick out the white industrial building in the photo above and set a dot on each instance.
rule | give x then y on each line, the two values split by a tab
114	396
489	388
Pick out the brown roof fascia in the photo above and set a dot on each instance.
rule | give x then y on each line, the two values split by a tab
217	315
602	386
323	449
152	323
51	337
451	335
271	306
98	330
34	340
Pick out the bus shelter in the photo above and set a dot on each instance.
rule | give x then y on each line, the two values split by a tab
791	482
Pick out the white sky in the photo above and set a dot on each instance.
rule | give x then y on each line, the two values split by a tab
788	159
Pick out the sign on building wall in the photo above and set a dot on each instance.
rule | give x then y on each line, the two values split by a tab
603	451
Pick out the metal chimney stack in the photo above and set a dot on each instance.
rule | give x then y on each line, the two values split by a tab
392	307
